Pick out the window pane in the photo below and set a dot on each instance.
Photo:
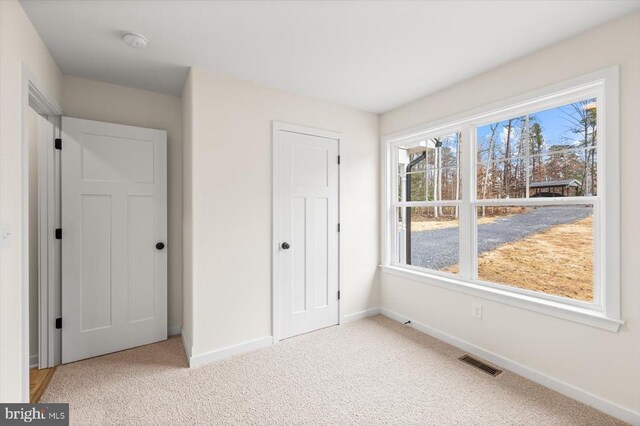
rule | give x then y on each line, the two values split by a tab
564	173
502	179
501	140
430	185
550	153
568	126
502	163
428	169
546	249
444	152
414	186
428	237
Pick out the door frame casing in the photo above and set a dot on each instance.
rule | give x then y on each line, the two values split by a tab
278	126
33	96
49	250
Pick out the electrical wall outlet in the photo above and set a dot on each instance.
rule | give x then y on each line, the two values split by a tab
476	310
5	235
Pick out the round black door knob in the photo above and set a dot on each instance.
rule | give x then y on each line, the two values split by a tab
286	246
160	246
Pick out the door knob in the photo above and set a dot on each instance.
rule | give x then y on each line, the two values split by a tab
285	246
160	246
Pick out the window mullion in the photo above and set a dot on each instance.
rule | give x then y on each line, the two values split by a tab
599	297
467	222
395	249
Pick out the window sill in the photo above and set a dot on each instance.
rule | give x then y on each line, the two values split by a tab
555	309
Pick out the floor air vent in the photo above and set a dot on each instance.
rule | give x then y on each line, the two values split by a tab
480	365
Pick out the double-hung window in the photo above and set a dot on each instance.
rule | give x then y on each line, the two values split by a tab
518	201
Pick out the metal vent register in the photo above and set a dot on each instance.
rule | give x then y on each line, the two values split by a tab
480	365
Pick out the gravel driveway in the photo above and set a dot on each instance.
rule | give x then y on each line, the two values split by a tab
438	249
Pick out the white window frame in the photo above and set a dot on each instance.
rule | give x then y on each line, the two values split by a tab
604	312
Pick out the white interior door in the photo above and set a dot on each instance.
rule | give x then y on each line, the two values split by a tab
114	212
308	226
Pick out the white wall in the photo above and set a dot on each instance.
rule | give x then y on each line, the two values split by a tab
230	204
19	45
599	362
187	213
93	100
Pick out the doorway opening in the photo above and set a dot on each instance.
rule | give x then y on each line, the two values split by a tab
40	257
102	187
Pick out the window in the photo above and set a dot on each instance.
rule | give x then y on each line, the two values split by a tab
510	201
429	188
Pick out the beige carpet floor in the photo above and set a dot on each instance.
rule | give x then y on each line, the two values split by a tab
374	371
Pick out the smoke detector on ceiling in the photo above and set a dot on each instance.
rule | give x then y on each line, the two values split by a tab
134	40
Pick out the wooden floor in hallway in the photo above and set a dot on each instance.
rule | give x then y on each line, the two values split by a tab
38	381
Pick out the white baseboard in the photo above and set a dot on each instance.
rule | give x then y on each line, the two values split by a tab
33	361
360	315
174	330
564	388
217	355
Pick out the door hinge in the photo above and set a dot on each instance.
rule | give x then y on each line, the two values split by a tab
338	227
58	323
58	233
338	159
338	294
57	143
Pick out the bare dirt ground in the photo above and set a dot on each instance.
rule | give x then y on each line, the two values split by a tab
430	225
557	261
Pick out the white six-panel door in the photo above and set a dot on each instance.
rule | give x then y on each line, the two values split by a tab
114	212
307	240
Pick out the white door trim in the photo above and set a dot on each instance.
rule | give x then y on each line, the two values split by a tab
49	249
32	95
275	234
